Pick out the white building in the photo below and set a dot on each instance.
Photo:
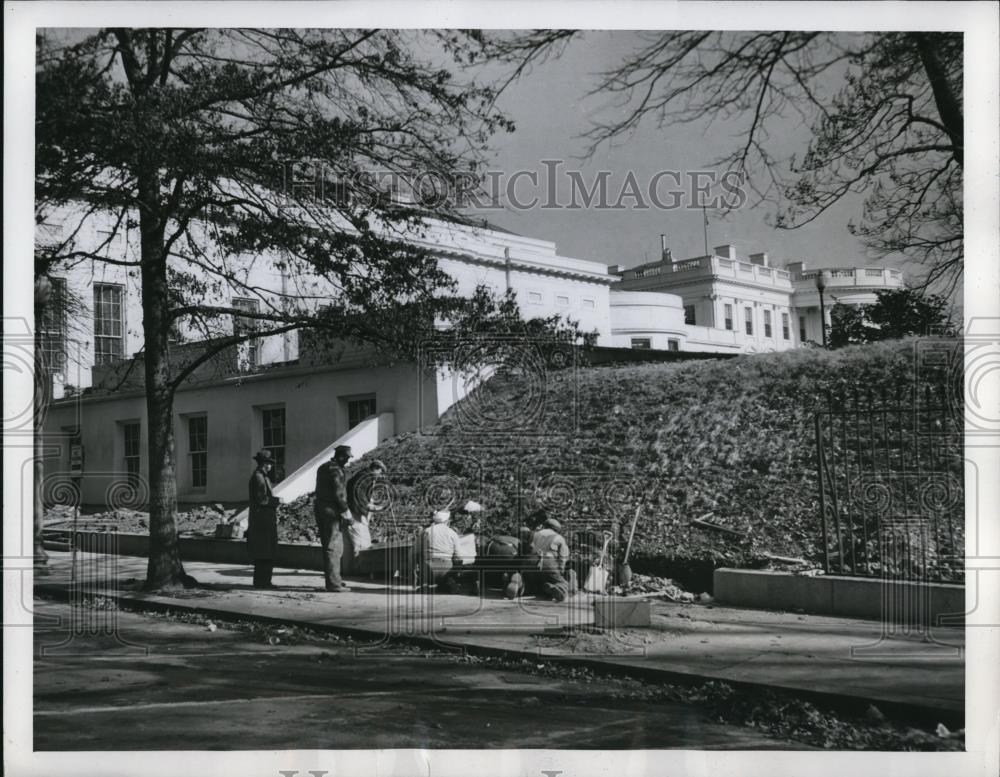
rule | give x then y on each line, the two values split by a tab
281	393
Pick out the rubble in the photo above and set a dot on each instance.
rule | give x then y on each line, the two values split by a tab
657	586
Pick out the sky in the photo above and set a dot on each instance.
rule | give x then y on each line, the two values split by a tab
551	110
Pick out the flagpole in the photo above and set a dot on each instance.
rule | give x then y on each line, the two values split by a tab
704	214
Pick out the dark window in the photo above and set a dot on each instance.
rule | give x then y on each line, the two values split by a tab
130	446
689	314
52	329
249	351
729	317
673	345
641	342
359	409
802	329
109	329
767	323
785	326
198	450
273	427
748	320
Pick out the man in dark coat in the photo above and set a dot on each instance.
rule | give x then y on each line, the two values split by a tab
262	524
333	514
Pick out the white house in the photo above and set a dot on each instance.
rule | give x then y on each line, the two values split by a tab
281	393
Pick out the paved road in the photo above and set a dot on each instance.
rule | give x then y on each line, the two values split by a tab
195	689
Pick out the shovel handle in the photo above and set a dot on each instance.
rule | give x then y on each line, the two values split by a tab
604	550
631	534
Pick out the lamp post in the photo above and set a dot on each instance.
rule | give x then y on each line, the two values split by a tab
822	280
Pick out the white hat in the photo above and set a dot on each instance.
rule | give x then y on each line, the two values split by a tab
441	516
473	507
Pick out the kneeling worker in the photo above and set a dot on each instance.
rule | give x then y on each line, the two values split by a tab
553	553
441	551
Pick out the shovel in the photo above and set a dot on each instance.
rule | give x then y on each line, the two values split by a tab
597	577
624	570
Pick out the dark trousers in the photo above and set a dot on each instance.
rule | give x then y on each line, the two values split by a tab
440	572
262	570
331	542
549	582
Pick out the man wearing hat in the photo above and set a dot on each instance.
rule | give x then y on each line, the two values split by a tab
552	551
440	551
359	497
333	514
262	523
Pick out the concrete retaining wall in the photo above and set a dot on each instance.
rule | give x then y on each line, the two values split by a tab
373	561
198	549
931	604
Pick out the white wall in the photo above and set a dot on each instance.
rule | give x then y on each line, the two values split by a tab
315	416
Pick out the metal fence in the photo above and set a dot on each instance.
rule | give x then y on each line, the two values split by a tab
891	484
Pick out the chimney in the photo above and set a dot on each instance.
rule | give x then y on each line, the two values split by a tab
615	269
665	253
760	259
795	267
726	251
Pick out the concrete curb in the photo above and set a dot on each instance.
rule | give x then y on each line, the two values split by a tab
891	601
844	702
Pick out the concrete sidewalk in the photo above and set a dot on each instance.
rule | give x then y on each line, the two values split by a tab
843	660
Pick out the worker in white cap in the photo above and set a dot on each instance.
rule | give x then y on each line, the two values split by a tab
467	519
440	551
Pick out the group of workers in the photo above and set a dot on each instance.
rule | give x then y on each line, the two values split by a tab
536	562
340	505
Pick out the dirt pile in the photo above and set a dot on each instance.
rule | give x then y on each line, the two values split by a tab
660	587
192	521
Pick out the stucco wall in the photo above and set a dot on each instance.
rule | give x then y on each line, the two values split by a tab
315	415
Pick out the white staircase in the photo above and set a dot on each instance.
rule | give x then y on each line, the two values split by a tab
363	438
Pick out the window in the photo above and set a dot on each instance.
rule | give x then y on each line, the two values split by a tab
52	329
729	317
767	323
748	321
785	327
562	301
673	345
641	342
359	409
249	351
535	297
802	329
273	427
198	450
130	447
689	314
109	330
588	303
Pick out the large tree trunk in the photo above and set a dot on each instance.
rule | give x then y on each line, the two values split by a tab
43	392
948	104
165	569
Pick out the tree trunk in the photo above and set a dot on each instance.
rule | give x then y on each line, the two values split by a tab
948	105
43	391
165	569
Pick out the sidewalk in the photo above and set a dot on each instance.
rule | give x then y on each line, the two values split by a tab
843	659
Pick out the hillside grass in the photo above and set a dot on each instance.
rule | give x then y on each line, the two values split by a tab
733	437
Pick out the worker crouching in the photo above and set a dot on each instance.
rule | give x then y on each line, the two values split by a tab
440	553
551	579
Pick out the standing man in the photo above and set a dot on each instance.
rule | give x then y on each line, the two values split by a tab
359	497
262	523
333	514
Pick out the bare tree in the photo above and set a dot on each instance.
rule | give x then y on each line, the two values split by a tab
884	109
